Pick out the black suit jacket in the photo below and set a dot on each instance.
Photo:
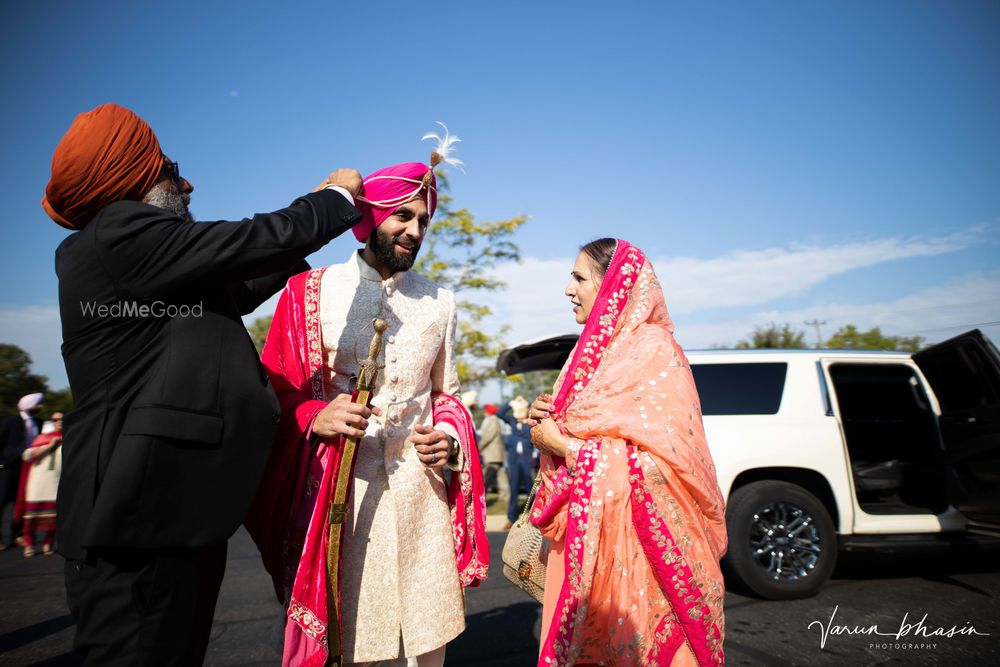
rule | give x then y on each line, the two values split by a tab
174	416
12	443
12	437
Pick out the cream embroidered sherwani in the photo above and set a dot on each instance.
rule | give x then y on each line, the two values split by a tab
399	574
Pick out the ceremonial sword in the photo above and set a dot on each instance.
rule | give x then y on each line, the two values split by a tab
367	377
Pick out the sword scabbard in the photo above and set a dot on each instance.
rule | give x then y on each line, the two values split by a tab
338	504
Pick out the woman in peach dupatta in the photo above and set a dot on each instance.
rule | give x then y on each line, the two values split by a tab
629	498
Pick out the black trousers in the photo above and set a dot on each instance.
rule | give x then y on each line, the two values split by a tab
9	476
144	606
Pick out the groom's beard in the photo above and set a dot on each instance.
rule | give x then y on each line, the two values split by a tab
166	196
384	247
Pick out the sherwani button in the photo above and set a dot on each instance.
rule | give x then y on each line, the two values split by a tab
276	417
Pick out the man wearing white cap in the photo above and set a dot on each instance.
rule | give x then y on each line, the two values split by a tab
16	433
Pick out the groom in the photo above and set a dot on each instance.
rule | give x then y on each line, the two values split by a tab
401	587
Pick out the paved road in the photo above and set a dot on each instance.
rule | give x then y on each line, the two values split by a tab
35	628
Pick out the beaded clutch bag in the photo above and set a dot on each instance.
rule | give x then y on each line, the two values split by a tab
526	552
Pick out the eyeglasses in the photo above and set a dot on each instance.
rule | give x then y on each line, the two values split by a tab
172	169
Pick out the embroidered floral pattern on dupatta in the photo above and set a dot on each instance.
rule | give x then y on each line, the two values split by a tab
628	398
314	333
305	619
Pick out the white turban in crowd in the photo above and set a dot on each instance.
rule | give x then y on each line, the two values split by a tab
519	406
30	401
470	399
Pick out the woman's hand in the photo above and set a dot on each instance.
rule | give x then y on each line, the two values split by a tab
549	439
541	409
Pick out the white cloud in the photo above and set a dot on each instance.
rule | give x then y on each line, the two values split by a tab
534	304
936	313
36	329
751	277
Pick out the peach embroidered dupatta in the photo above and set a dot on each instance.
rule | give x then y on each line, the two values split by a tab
636	510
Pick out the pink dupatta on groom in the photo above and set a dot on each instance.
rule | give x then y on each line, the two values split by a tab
295	483
635	509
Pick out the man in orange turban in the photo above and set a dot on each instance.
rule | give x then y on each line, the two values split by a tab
174	414
108	154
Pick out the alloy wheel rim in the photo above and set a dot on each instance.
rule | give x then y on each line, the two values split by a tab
784	541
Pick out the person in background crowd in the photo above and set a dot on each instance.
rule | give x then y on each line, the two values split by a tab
521	455
494	452
42	462
16	433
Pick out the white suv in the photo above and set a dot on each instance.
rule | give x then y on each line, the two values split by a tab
822	450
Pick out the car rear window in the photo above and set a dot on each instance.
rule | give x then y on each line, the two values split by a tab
740	389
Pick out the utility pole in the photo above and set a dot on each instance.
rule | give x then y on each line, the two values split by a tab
819	334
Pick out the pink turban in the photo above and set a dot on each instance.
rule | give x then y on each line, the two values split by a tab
389	188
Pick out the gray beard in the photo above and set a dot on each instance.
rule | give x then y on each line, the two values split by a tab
165	195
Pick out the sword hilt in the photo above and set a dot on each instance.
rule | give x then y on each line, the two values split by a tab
370	366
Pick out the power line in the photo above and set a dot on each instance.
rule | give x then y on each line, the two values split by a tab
959	304
819	334
953	327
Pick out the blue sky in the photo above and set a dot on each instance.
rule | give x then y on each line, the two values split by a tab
777	160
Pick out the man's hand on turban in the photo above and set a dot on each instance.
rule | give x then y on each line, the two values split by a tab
349	179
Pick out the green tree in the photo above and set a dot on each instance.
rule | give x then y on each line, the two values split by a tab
850	338
773	336
258	331
457	254
16	378
59	400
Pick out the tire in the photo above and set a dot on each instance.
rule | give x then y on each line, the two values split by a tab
756	518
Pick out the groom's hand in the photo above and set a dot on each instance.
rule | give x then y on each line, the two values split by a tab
343	417
433	447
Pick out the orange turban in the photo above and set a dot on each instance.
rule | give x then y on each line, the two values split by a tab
107	155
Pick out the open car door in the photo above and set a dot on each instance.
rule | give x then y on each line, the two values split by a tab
540	355
964	373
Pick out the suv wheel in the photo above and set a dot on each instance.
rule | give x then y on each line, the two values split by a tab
782	543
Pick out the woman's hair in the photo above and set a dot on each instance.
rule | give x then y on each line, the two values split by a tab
600	252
